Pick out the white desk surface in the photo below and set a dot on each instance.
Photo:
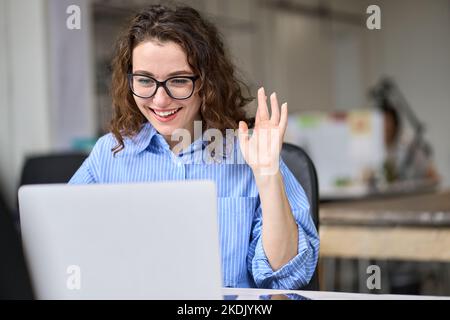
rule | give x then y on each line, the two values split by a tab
253	294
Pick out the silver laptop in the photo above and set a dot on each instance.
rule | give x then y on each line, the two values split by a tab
122	241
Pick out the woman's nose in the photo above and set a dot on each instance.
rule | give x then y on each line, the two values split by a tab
161	98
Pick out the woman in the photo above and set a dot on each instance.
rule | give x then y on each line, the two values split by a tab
406	157
171	72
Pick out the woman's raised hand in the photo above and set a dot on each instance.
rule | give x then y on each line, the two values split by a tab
261	149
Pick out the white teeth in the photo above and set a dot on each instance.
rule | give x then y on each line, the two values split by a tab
165	114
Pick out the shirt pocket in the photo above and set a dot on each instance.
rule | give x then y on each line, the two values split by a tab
235	218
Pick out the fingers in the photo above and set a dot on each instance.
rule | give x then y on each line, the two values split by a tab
262	112
257	117
283	119
275	118
243	128
262	105
243	134
243	138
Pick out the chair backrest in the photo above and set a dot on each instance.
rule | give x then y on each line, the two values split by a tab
14	277
302	167
49	168
52	168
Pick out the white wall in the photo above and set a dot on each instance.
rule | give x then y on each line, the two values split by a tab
24	104
46	91
414	48
71	74
5	130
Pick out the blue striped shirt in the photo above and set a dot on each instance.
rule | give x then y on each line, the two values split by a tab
147	157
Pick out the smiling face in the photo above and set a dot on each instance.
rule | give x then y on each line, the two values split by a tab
162	61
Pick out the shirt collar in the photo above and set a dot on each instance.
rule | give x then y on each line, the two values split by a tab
142	140
149	138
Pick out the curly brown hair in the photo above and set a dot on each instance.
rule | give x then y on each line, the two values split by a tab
220	90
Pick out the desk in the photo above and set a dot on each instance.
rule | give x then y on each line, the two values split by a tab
253	294
407	227
365	191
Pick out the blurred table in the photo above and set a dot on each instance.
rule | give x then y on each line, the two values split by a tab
401	227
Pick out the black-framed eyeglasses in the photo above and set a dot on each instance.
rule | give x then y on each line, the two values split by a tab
177	87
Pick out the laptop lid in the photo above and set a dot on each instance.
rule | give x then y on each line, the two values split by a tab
122	241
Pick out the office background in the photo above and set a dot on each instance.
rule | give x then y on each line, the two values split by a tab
316	54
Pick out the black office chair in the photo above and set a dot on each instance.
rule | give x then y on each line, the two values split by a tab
15	283
60	168
51	168
301	165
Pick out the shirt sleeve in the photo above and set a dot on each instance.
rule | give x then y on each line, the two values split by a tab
299	270
88	171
